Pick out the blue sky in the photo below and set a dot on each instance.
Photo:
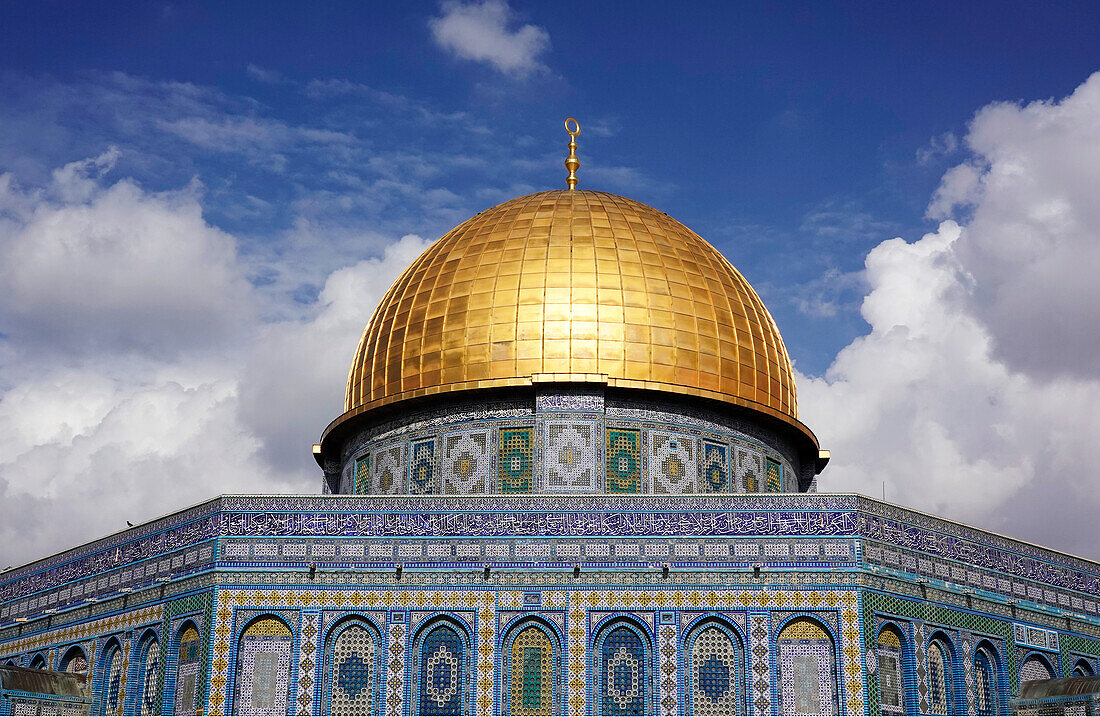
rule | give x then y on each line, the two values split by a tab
203	189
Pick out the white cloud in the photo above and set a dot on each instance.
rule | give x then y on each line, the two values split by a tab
261	74
975	393
480	31
293	383
92	267
136	377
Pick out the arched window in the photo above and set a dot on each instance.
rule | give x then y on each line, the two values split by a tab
9	663
112	679
74	661
715	669
532	654
985	682
939	699
351	657
891	683
1082	668
624	674
263	668
441	673
148	674
807	669
187	670
1035	668
38	662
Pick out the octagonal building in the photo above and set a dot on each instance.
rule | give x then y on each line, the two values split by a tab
569	479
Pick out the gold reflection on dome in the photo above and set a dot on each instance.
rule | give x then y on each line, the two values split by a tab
573	286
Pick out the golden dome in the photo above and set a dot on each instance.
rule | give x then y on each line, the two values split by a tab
573	286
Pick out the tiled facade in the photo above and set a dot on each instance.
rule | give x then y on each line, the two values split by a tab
561	442
771	604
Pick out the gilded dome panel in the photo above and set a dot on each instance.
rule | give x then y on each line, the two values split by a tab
573	286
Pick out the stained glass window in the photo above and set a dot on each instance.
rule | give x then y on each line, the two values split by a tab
985	694
807	669
148	676
623	672
531	667
263	674
442	677
716	659
187	671
937	680
351	680
891	684
112	685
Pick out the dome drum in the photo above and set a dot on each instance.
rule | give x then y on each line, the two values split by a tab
573	288
566	438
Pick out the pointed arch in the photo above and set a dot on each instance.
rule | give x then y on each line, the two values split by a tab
714	651
940	658
1083	668
147	674
38	662
1036	667
988	679
624	651
532	667
890	657
807	667
112	678
442	674
74	661
262	684
185	645
353	654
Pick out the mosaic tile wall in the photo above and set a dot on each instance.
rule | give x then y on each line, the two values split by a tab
458	647
564	443
839	562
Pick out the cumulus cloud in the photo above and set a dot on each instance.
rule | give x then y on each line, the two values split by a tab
138	376
974	393
85	266
482	32
293	383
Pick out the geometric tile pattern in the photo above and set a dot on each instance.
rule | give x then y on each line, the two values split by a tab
395	669
922	667
516	461
759	638
672	465
569	457
352	684
466	463
748	471
531	688
715	671
807	683
666	647
422	468
309	659
624	675
716	469
441	674
624	462
387	474
579	603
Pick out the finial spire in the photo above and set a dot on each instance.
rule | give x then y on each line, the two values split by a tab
572	163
